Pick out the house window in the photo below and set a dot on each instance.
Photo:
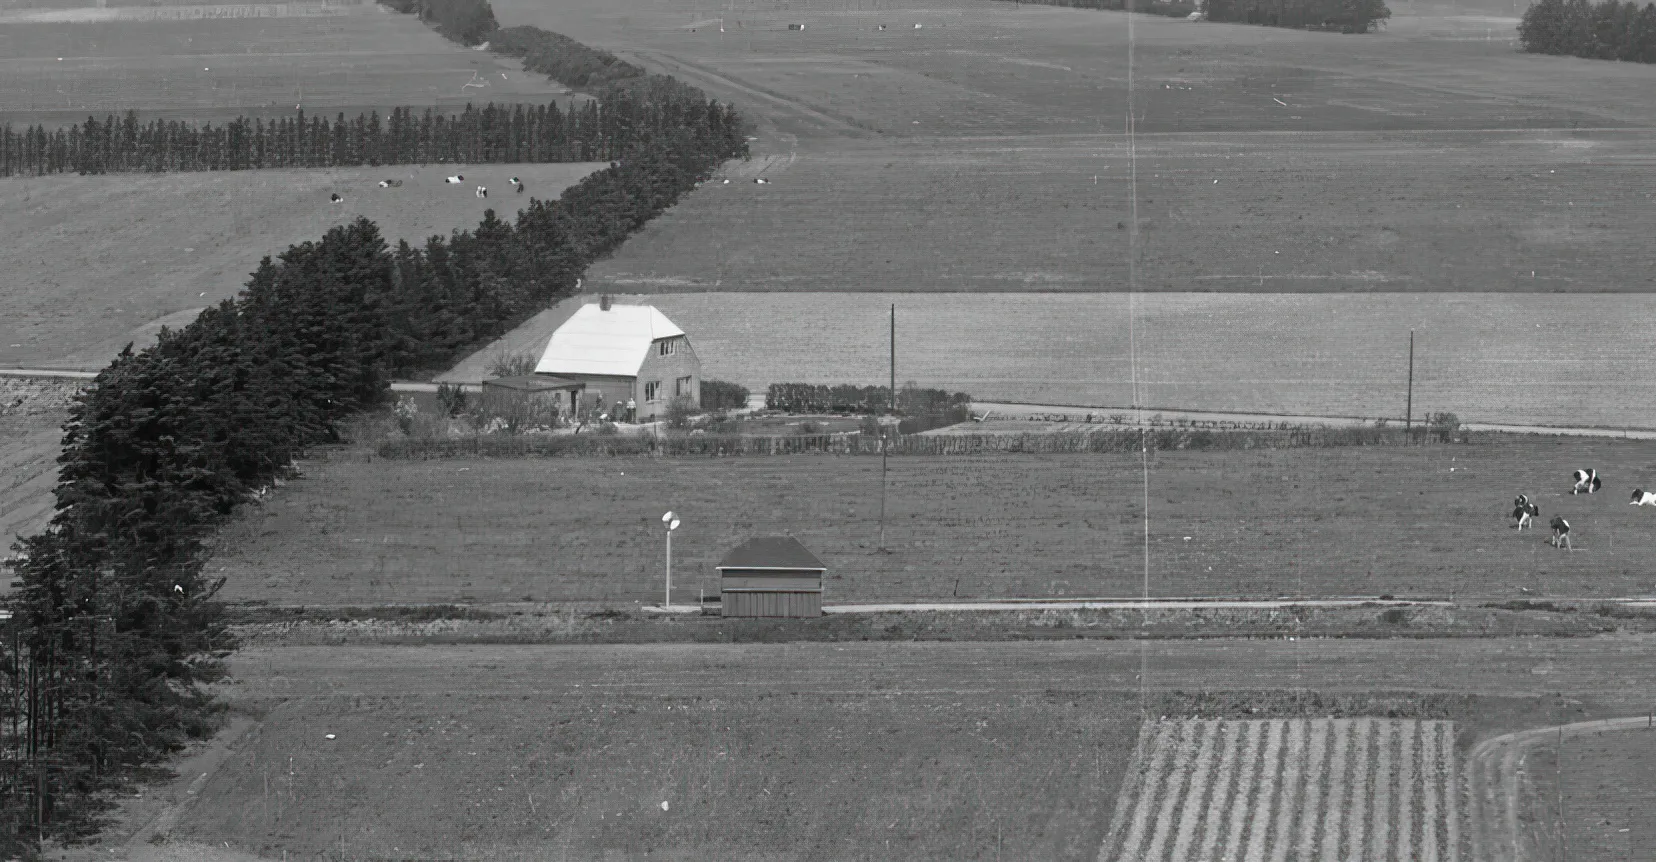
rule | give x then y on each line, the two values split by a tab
681	386
652	391
669	346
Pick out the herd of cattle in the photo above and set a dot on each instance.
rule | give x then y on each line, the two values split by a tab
482	191
1587	481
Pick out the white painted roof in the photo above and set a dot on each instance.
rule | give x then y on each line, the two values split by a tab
594	341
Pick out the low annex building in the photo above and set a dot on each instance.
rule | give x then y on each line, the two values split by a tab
608	354
770	577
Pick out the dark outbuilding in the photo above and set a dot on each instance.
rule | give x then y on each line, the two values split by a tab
771	577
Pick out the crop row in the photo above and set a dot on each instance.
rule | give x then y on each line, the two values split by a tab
1286	790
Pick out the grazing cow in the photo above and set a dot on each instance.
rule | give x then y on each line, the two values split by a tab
336	198
1586	481
1561	533
881	27
454	180
1523	510
520	188
1644	498
482	192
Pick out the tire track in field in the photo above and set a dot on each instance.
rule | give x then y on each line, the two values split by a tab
689	70
1492	769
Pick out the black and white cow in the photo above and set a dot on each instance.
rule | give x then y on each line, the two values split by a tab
336	198
455	180
1586	481
1561	533
1523	511
482	192
390	184
1644	498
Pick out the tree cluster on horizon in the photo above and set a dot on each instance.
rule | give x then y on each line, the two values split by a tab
1608	30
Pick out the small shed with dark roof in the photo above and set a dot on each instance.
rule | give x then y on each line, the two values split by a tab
771	577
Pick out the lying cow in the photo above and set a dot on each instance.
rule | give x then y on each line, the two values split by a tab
1644	498
390	184
454	180
1523	511
1586	481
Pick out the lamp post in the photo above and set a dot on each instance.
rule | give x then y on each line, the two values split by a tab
672	524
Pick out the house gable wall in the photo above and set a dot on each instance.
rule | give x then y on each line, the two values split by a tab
667	369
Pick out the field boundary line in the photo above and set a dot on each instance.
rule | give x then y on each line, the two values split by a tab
689	69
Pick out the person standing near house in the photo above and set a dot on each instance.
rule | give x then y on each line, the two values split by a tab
632	411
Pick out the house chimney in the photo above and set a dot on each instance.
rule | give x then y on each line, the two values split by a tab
604	302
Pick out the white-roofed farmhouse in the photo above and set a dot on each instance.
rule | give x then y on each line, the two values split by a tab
606	354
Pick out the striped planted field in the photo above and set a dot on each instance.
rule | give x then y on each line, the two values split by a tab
1289	790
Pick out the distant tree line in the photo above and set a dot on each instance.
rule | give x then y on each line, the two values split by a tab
115	624
1609	30
595	131
1345	16
465	21
847	398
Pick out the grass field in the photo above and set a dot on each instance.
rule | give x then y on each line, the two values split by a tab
597	771
327	58
1607	798
437	750
98	261
986	152
1307	788
1315	522
1513	359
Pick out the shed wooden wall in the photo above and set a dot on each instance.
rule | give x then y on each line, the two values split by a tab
771	604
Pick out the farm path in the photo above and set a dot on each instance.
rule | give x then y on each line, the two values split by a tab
1495	777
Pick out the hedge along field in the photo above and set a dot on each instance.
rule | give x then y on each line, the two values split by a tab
988	68
353	59
1507	359
1428	520
98	261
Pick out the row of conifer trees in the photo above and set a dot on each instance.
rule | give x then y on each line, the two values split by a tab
116	626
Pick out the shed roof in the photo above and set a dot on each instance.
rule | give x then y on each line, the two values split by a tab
612	342
775	552
533	383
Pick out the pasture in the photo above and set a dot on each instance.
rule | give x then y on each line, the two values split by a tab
1318	788
986	152
1607	797
1504	359
437	751
98	261
166	61
1411	521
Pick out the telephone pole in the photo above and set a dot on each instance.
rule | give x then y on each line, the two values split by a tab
1408	416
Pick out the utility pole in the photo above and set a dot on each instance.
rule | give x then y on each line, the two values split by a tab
1408	416
894	357
882	427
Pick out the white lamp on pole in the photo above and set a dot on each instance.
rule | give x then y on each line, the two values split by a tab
672	524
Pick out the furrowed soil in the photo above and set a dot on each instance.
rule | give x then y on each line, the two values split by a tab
436	751
325	58
1414	521
98	261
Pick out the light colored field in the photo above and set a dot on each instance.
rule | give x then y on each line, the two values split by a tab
327	58
1362	804
1316	523
1507	359
95	262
